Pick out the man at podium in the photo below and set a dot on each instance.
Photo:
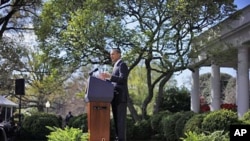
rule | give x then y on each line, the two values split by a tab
119	78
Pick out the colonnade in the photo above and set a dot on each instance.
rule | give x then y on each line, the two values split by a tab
242	85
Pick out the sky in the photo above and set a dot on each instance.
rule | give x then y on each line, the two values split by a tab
241	3
184	78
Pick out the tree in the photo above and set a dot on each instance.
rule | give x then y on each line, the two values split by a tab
44	73
3	2
45	77
16	16
88	36
175	100
205	85
168	29
230	91
156	33
10	57
15	19
137	87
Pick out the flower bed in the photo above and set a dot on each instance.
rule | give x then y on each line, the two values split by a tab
228	106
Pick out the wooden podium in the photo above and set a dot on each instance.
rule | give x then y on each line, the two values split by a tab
99	95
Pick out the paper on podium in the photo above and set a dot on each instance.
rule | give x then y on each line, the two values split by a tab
99	90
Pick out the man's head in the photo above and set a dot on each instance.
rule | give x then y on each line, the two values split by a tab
115	54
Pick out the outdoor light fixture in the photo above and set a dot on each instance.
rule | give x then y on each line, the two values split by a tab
47	105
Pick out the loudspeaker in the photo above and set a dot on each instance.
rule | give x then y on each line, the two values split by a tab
20	87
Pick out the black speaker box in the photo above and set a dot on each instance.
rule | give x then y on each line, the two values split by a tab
20	87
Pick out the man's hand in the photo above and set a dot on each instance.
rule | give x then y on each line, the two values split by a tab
104	76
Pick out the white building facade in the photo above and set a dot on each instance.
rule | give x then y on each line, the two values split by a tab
233	34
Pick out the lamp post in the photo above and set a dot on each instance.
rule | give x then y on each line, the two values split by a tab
47	105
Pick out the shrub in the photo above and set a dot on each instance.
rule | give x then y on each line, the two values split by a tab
194	123
180	123
169	123
142	130
66	134
155	121
175	100
80	122
215	136
246	116
219	120
34	126
130	127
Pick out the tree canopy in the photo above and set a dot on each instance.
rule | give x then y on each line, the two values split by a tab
15	20
155	33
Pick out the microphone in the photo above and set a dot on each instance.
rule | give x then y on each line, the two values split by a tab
91	73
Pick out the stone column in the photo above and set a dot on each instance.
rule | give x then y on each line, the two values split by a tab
215	88
195	91
236	87
242	81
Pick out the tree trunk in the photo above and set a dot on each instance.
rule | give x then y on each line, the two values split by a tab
150	89
132	110
146	102
160	92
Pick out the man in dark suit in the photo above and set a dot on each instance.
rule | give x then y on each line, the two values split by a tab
119	78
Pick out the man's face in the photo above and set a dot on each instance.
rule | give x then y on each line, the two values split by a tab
114	55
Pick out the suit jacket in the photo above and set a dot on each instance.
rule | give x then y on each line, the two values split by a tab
120	80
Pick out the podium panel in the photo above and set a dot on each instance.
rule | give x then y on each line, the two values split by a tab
99	94
99	121
99	90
